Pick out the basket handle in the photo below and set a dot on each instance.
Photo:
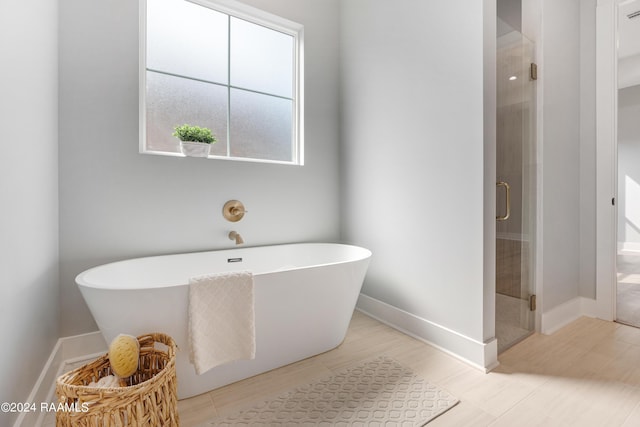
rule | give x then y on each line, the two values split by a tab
148	340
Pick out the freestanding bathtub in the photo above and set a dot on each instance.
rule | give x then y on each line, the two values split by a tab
304	297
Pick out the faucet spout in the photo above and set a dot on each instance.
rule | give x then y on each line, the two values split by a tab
234	235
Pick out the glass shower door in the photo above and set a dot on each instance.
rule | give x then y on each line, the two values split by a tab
515	189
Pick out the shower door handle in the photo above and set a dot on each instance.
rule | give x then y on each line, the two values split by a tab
507	201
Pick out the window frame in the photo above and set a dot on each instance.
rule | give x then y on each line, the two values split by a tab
256	16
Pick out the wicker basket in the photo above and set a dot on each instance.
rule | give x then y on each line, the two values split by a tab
148	399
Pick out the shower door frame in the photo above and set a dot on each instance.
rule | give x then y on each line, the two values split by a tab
529	186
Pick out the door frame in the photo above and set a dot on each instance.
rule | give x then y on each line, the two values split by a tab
607	35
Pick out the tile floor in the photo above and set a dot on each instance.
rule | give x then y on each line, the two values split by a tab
586	374
628	290
514	321
511	314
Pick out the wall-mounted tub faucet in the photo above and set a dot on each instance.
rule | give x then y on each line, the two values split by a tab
234	235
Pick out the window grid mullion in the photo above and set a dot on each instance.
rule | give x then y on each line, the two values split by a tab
167	73
229	86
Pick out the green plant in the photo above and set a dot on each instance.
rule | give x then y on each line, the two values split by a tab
194	134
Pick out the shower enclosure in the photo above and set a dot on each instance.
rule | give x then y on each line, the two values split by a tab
515	189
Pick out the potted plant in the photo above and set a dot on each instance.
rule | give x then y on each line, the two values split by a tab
194	140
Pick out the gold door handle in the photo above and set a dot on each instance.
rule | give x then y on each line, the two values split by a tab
507	201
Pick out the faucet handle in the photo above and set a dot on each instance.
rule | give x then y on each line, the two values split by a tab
238	211
233	210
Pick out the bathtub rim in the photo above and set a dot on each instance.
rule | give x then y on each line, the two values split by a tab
364	254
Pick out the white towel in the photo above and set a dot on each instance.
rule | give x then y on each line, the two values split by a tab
221	319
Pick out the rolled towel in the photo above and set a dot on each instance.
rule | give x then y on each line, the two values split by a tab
109	381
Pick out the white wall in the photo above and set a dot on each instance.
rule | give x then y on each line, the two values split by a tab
116	203
564	33
560	77
412	135
587	149
629	167
28	194
629	71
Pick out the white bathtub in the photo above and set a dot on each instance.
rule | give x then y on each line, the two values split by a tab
304	298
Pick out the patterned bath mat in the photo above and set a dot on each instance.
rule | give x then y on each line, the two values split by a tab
379	392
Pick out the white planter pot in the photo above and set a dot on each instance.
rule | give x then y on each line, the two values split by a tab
195	149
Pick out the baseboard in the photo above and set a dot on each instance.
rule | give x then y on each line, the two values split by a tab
483	356
565	313
40	391
67	349
629	246
80	345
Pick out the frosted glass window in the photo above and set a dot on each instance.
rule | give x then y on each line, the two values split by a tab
254	47
187	39
261	126
173	101
227	66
